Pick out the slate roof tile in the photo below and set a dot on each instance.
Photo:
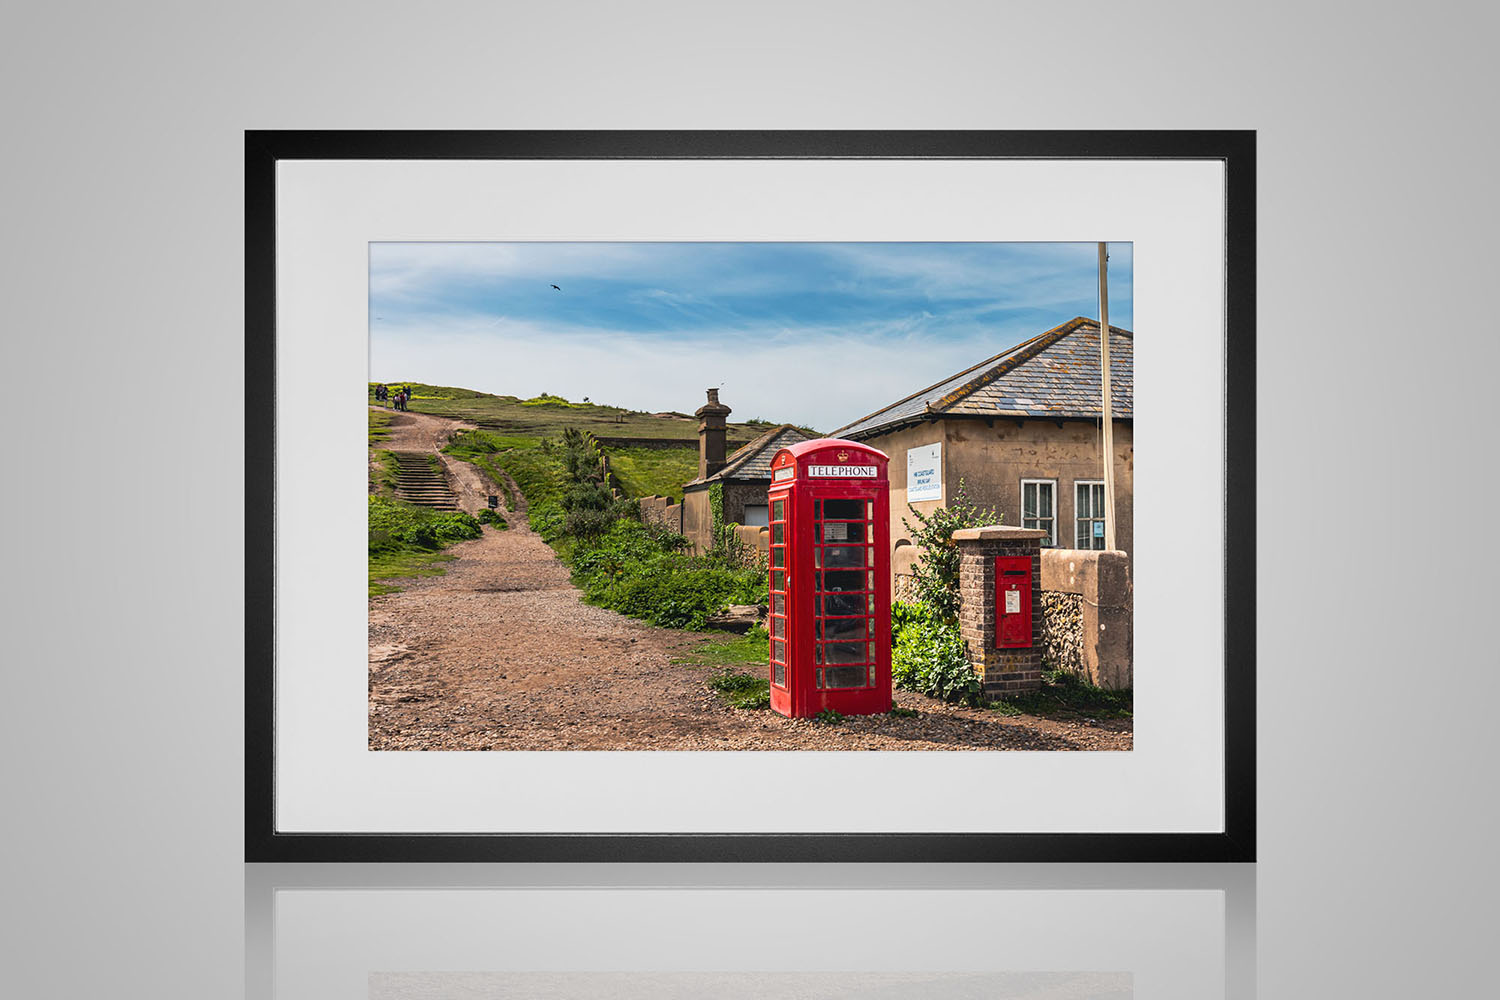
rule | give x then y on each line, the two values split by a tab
753	461
1055	375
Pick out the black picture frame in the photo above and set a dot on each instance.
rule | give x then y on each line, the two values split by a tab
1236	150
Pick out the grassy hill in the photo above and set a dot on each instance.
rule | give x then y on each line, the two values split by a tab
545	416
511	428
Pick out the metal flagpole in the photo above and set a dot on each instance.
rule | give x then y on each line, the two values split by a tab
1109	419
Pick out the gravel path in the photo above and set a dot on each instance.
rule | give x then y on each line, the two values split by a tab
502	654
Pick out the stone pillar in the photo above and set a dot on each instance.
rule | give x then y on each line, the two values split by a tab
1003	671
711	435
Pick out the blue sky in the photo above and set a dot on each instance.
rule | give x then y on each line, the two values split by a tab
808	333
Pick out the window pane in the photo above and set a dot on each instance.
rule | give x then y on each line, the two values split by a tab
844	604
778	510
778	555
778	534
843	628
1044	499
778	650
755	515
1028	499
818	677
845	652
841	580
852	510
843	531
846	677
843	557
778	604
1082	494
778	627
1083	537
778	580
778	674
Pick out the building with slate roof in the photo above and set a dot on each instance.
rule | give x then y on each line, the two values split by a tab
1023	431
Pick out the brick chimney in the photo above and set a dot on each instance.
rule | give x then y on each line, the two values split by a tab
711	434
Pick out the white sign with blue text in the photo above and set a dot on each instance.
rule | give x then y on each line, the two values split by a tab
924	473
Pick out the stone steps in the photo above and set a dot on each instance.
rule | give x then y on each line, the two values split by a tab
419	483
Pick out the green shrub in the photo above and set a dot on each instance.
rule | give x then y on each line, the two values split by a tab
927	655
641	571
587	522
936	571
395	525
407	540
546	519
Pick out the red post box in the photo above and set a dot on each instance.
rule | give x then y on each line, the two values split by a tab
1012	601
830	579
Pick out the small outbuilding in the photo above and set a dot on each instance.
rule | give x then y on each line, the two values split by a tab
745	475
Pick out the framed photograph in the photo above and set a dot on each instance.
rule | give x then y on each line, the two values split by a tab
729	496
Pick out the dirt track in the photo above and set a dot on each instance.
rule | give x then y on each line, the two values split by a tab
502	654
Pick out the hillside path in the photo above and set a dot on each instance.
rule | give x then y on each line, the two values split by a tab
501	653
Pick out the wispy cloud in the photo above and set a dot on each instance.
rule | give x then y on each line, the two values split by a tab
811	333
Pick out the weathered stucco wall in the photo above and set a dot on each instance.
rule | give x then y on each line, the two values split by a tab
661	511
896	445
697	519
697	514
992	461
992	457
1088	621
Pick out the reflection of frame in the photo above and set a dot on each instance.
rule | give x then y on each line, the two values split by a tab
315	201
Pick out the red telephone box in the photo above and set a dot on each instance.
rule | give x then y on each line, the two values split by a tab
1012	601
830	579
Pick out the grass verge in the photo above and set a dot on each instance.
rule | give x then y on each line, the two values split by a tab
380	426
408	541
1066	695
739	665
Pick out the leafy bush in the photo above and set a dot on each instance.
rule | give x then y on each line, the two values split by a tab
641	571
936	571
395	525
587	522
407	540
927	655
546	519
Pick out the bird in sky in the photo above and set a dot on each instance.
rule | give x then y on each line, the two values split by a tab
559	289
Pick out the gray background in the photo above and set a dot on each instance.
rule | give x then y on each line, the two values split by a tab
122	382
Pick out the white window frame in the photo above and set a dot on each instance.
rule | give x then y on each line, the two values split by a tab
1048	482
1087	482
